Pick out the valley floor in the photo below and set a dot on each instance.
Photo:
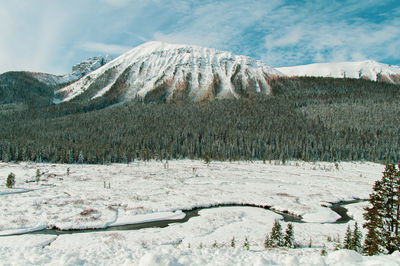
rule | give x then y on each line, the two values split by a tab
98	196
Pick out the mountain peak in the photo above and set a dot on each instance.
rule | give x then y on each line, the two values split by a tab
164	71
85	67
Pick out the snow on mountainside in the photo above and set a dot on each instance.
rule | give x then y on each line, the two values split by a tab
162	71
79	70
364	69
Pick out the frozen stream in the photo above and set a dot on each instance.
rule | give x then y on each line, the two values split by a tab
287	217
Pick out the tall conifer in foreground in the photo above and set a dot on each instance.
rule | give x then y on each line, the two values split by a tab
347	242
356	239
276	234
289	236
382	214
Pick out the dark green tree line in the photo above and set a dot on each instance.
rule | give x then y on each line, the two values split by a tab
304	118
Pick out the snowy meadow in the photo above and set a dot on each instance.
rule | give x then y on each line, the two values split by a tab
102	196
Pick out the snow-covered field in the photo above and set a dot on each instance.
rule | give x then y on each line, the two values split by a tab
97	196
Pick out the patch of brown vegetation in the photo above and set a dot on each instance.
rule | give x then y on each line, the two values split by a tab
88	212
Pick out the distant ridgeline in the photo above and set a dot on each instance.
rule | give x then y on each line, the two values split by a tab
22	87
303	118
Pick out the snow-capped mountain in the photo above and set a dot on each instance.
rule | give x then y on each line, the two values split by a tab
162	71
79	70
364	69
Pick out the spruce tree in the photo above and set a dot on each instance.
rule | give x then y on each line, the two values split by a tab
323	251
382	214
347	242
10	182
37	178
267	241
356	240
276	234
289	236
371	244
81	157
233	242
246	244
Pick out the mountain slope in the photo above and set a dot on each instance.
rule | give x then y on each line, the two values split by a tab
21	87
38	88
364	69
159	71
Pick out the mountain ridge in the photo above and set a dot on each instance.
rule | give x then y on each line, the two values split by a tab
78	71
163	71
30	87
367	69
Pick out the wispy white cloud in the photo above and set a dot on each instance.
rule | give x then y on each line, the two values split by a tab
51	36
218	24
325	35
104	48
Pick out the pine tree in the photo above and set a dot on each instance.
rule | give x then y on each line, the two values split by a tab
10	182
347	242
338	246
276	234
246	244
70	156
356	240
371	244
289	236
81	158
233	242
323	251
267	241
37	175
382	214
207	158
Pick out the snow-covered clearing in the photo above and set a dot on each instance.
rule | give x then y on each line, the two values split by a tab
96	196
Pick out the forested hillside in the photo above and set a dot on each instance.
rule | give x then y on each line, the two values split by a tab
304	118
21	87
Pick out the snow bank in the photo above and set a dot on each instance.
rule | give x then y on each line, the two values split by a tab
150	217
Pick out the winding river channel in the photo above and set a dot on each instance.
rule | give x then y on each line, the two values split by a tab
287	217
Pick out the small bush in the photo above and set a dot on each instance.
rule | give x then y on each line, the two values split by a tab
323	251
246	244
10	180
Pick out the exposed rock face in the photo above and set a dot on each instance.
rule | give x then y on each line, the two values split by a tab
85	67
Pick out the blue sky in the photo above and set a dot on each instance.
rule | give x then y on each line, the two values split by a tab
52	35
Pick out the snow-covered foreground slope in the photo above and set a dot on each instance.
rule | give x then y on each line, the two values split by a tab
162	71
143	191
364	69
134	248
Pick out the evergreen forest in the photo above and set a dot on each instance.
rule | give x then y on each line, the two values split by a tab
304	118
